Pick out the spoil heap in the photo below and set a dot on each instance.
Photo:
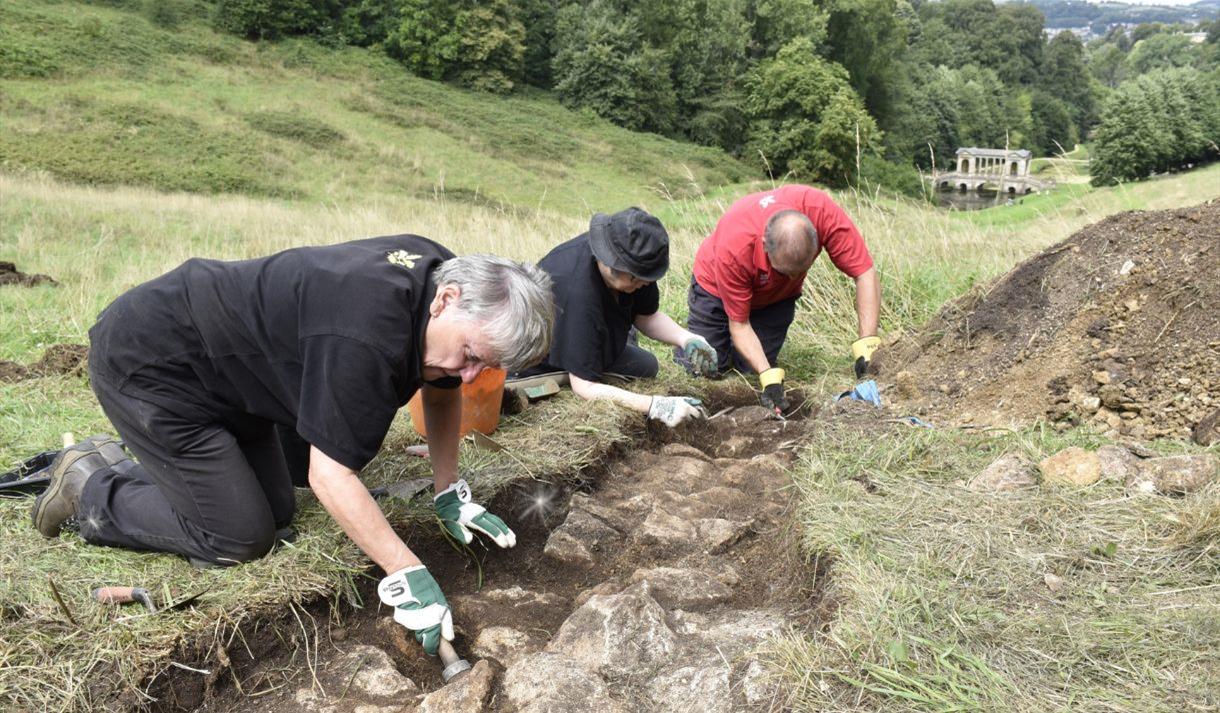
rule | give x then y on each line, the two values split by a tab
1115	326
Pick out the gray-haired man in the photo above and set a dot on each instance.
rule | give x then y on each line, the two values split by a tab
196	368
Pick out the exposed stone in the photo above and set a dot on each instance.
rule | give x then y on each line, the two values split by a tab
481	606
681	449
702	687
1174	475
581	535
1207	430
1102	377
747	415
1071	466
1090	404
554	683
1010	471
617	634
375	675
1117	463
468	692
757	685
732	632
717	534
734	446
665	529
676	588
607	587
503	644
1112	396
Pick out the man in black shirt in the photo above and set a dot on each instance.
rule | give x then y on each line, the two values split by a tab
605	284
196	368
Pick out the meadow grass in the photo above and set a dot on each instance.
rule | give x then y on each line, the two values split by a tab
946	599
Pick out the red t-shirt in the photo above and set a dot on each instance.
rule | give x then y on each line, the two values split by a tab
731	264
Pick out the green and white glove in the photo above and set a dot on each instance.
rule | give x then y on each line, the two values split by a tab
700	354
673	410
460	516
418	605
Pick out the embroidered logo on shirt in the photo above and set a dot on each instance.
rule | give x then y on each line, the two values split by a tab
402	258
766	201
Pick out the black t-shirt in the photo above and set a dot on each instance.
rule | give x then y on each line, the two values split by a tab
328	340
591	321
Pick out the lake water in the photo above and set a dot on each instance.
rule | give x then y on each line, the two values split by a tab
969	200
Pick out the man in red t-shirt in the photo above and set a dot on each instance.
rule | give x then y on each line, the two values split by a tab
748	275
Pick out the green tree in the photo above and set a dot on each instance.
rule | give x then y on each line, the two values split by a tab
479	43
868	38
602	63
1108	65
775	23
538	17
1053	126
1160	51
273	19
804	116
1128	143
1065	77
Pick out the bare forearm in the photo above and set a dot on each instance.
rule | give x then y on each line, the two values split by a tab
663	328
443	422
591	390
340	491
868	302
745	341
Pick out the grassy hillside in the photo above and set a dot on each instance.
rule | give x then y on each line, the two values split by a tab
105	95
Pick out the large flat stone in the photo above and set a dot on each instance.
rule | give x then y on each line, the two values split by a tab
617	634
504	644
555	683
677	588
701	687
581	536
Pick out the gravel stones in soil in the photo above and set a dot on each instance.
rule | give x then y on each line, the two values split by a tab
1116	326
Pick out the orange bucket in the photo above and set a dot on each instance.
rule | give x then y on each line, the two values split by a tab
480	404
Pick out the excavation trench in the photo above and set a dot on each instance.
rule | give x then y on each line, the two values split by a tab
645	582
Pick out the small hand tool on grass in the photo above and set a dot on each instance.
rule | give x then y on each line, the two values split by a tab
127	595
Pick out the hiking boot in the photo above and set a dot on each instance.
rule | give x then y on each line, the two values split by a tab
69	472
112	452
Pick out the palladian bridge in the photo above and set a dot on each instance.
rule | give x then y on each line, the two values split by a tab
999	170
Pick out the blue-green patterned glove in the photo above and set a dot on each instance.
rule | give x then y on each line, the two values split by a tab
418	605
701	355
460	516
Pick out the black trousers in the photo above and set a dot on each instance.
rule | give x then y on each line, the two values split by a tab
215	491
634	363
709	320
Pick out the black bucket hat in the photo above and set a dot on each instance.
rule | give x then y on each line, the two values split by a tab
631	241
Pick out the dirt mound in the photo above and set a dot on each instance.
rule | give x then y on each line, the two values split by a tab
1117	325
10	275
57	360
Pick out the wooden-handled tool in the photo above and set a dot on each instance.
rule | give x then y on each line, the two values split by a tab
454	665
125	595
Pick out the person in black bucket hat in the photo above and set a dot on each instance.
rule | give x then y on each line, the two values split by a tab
605	289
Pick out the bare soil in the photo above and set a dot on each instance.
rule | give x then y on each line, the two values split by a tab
10	275
1117	325
732	466
57	360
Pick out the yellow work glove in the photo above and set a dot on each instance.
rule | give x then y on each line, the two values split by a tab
772	383
862	354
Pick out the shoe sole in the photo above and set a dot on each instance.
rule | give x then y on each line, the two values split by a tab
69	458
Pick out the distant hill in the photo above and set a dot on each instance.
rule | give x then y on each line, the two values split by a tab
1077	13
154	97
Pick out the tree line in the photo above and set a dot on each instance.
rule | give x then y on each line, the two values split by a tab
835	91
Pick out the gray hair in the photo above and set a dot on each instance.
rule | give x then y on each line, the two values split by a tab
512	299
786	226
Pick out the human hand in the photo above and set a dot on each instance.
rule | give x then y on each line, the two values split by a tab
862	354
459	516
673	410
772	383
418	605
700	354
